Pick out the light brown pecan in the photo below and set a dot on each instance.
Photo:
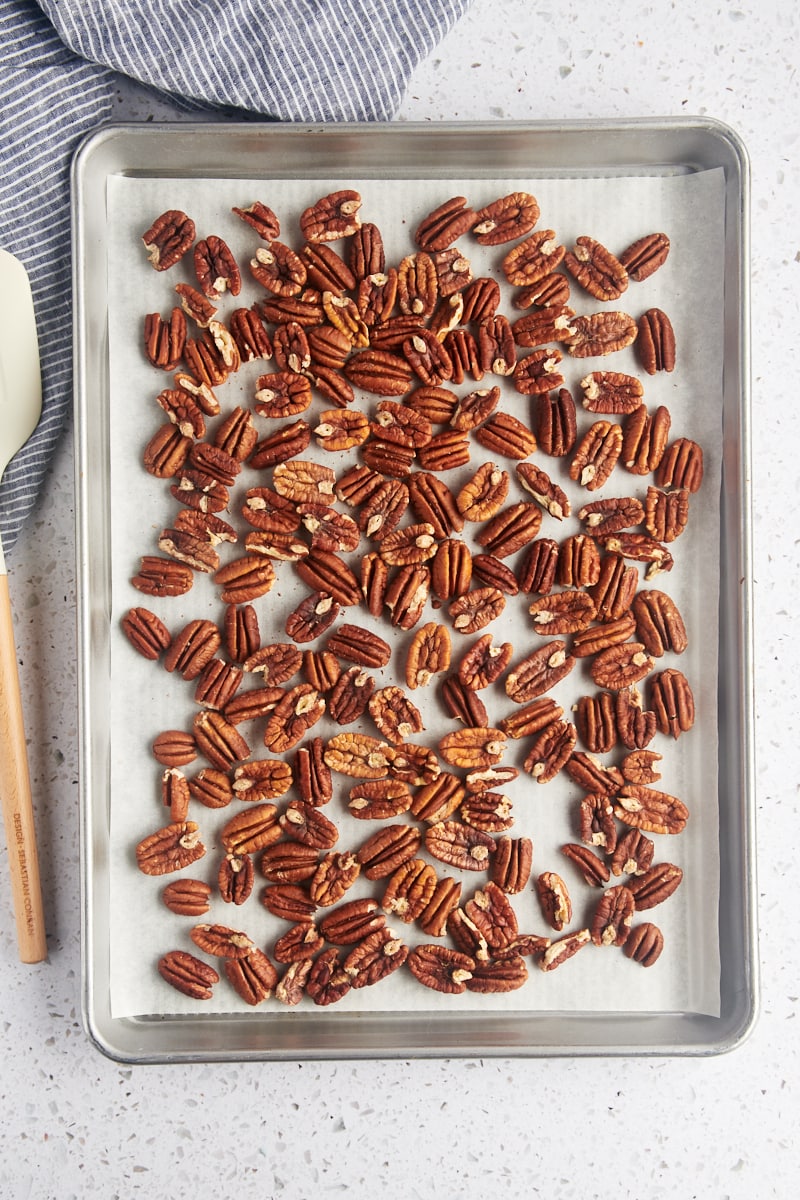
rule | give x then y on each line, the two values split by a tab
291	718
221	941
169	237
564	948
621	666
304	482
640	766
350	695
532	718
304	823
170	849
440	968
188	897
235	878
413	764
596	269
183	411
262	779
451	569
277	662
196	552
484	662
211	788
659	625
666	513
596	722
408	546
355	644
409	890
379	372
333	878
266	510
406	595
484	494
281	394
453	272
533	259
672	702
251	830
635	724
472	747
378	799
681	466
505	219
312	775
511	864
644	944
656	342
428	654
245	579
550	751
341	429
417	285
501	975
166	453
439	799
357	755
538	672
377	956
644	256
327	980
653	811
550	324
460	846
645	439
610	514
611	392
593	775
253	977
188	974
398	423
600	334
596	455
613	916
556	426
290	988
503	433
382	853
326	572
476	609
593	870
164	341
396	717
218	740
655	885
562	612
387	458
352	921
333	216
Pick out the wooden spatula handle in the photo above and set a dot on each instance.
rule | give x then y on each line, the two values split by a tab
15	791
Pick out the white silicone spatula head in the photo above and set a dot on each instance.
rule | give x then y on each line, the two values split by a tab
20	409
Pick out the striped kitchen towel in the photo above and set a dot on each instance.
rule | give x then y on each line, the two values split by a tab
290	60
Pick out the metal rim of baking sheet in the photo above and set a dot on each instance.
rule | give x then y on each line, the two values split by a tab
505	150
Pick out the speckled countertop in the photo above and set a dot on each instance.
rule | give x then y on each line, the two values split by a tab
74	1123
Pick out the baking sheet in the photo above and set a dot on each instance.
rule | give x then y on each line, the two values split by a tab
144	699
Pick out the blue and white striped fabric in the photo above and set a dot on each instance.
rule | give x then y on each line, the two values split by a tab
291	60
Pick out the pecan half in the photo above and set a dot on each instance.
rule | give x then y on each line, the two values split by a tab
387	850
672	702
645	439
505	219
550	751
511	863
188	897
613	916
332	217
650	810
633	854
601	333
656	342
327	980
428	654
644	256
659	624
538	672
169	237
146	632
377	956
533	259
681	466
620	666
188	974
554	899
440	968
596	455
611	392
644	944
409	890
215	268
460	846
596	269
564	948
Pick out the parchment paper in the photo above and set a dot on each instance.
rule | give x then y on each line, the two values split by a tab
145	699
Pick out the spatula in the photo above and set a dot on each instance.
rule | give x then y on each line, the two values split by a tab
20	409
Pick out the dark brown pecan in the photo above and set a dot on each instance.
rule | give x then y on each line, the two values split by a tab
170	848
218	740
613	916
183	411
261	218
222	942
532	718
593	775
330	530
505	219
554	899
655	885
355	644
596	269
440	968
409	890
188	974
645	439
483	495
596	824
192	648
434	504
475	408
659	625
492	572
578	561
484	662
593	869
666	513
312	775
533	259
556	425
463	703
503	433
562	612
215	268
188	897
477	609
218	684
251	830
328	573
596	455
550	751
596	722
672	702
294	714
497	351
351	922
656	342
251	704
490	812
285	443
280	394
321	669
327	980
635	725
453	271
644	944
247	330
552	290
481	299
653	811
349	696
511	864
537	571
164	341
333	216
313	615
681	466
376	297
621	666
196	552
492	914
325	270
379	799
512	528
289	901
566	947
601	333
304	823
538	372
550	324
614	591
445	451
396	717
168	238
436	404
406	595
146	632
387	458
288	862
502	975
644	256
538	672
377	956
606	516
277	662
444	900
235	878
388	849
611	392
460	846
428	358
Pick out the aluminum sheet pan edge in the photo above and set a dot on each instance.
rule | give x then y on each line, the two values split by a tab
668	147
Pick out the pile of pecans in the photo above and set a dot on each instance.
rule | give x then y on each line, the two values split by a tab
412	499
